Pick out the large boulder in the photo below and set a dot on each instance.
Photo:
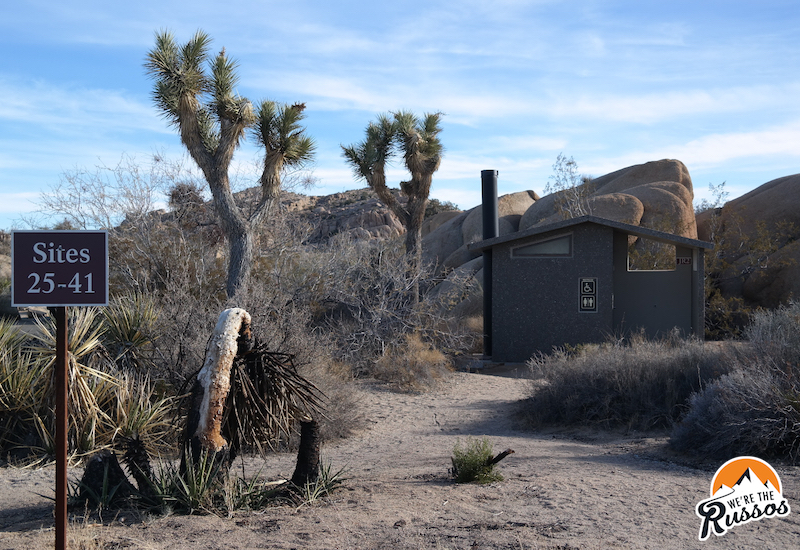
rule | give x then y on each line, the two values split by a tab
435	221
461	292
446	246
641	174
758	240
656	194
509	208
443	241
667	207
774	203
620	207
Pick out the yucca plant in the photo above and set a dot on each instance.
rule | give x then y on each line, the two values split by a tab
91	387
104	402
193	490
139	411
129	322
21	395
322	486
11	337
24	381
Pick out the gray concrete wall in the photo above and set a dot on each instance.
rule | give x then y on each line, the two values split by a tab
536	300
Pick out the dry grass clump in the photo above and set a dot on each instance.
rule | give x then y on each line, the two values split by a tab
412	365
754	409
642	384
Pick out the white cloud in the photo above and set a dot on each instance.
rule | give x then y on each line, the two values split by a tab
647	108
65	110
715	151
18	202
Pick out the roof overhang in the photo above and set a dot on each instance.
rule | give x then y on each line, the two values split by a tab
660	236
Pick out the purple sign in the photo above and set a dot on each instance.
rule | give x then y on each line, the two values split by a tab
59	268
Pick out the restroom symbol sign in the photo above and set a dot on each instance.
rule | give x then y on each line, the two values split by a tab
588	295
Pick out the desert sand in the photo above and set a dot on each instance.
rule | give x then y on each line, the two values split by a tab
561	490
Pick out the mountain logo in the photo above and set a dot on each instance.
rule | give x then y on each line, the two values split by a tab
744	489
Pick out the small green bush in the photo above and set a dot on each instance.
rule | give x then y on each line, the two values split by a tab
642	384
472	462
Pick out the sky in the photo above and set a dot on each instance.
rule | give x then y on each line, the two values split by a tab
609	83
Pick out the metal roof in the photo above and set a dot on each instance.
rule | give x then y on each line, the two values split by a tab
635	230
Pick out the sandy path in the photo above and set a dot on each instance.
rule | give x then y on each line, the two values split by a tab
558	492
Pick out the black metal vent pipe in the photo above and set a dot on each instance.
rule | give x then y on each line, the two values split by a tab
491	229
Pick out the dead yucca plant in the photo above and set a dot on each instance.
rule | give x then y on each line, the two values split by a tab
267	396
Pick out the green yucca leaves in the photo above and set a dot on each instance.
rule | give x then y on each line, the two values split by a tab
129	323
109	395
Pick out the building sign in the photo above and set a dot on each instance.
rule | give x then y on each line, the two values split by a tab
59	268
588	295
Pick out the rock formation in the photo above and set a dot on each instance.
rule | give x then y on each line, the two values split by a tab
657	195
446	246
759	252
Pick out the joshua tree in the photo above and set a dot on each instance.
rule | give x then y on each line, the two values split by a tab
418	141
212	120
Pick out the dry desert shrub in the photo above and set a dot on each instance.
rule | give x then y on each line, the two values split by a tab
754	409
412	365
641	384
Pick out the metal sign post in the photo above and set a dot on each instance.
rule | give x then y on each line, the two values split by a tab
60	269
62	425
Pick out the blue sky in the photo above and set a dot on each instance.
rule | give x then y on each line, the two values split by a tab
714	84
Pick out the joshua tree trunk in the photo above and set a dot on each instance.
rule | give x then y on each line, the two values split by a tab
238	231
240	250
416	214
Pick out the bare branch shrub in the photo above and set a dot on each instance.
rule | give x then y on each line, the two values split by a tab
643	385
572	191
755	409
361	299
106	196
